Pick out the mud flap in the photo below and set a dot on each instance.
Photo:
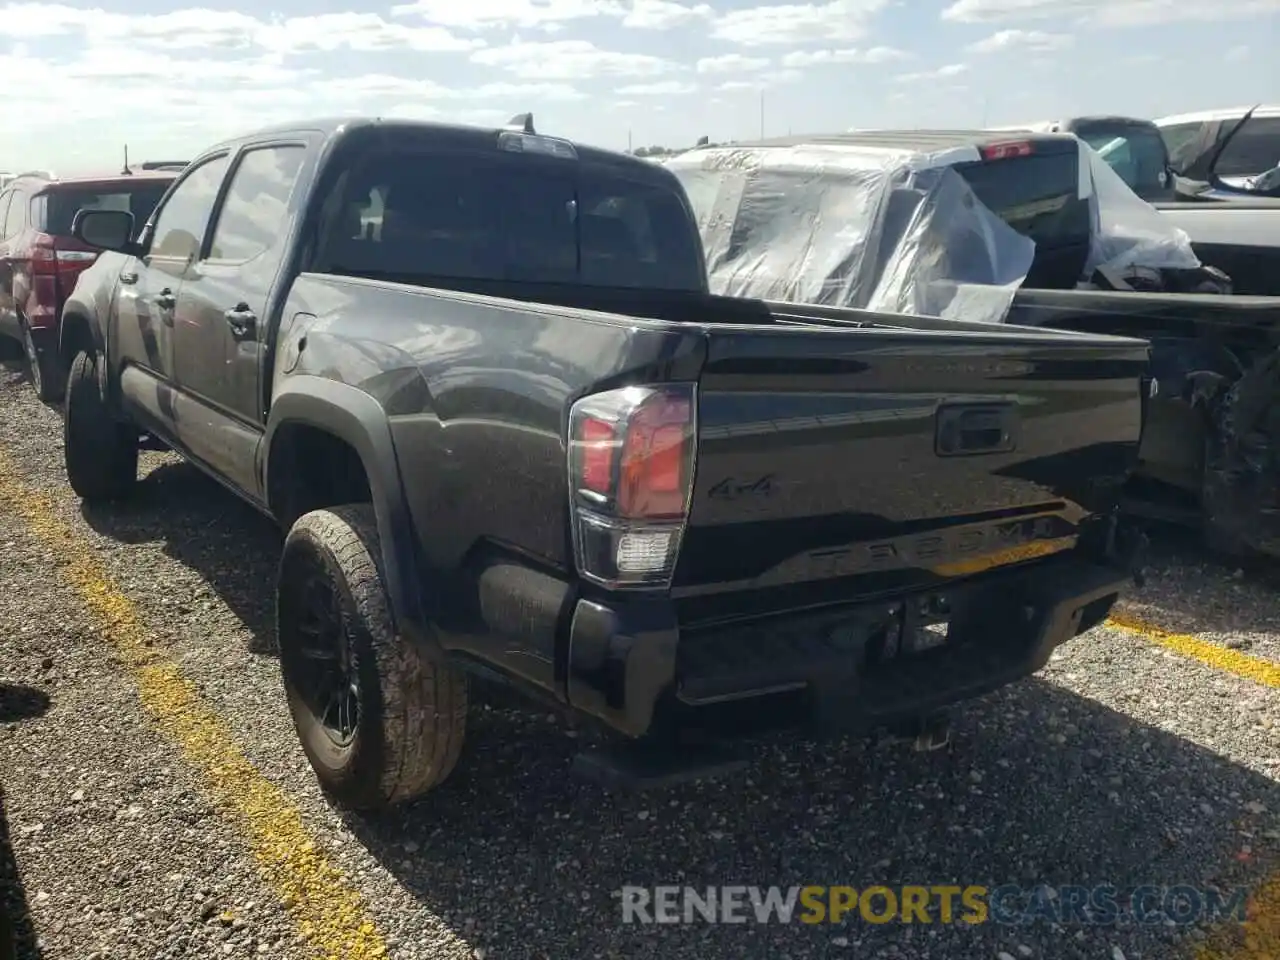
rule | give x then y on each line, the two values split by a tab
1241	492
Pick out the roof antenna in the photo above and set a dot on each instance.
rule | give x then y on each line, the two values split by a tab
126	171
521	123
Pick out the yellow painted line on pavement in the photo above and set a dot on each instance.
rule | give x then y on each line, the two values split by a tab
1212	654
1258	937
328	911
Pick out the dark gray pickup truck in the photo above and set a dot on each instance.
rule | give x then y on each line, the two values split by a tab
477	376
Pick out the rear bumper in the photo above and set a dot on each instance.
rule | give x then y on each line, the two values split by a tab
632	666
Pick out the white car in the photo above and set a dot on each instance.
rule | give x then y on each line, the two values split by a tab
1252	152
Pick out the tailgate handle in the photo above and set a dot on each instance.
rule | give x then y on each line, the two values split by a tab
969	429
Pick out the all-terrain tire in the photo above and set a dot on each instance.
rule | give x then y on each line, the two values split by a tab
43	369
412	708
100	453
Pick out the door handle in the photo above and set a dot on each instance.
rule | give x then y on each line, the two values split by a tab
965	430
241	320
165	299
128	278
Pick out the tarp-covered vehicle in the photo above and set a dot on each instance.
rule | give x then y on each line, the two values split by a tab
1033	229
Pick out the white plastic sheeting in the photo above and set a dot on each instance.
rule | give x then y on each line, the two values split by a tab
1128	231
891	230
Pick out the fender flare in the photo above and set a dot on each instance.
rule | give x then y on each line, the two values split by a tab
353	416
79	308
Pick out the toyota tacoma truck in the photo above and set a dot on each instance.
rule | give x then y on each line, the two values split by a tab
477	376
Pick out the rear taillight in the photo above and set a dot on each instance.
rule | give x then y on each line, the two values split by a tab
1004	151
631	457
44	255
46	258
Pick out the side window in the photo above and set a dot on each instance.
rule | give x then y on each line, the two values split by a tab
15	219
253	212
4	212
1253	150
1182	141
185	215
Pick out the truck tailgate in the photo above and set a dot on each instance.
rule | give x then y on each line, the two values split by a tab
833	465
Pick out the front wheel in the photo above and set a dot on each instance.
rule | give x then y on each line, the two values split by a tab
99	451
380	721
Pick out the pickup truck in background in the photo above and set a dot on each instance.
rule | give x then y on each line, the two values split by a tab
1132	147
1234	228
477	376
840	219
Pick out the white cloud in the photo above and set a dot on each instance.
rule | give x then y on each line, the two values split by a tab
811	58
494	14
1031	41
941	73
198	28
795	23
763	82
661	88
663	14
552	16
730	63
569	60
1237	54
1115	13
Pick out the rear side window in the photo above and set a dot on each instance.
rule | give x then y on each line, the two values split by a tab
16	217
1253	150
253	213
471	216
1037	195
64	202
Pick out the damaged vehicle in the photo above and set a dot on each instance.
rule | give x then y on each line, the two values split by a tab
1242	237
1237	147
1029	229
477	376
1233	217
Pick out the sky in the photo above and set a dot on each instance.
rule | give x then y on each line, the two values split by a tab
81	82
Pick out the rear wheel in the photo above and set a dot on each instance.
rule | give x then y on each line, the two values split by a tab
43	369
380	721
100	452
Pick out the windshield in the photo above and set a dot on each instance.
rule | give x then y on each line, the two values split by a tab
477	216
1136	153
64	202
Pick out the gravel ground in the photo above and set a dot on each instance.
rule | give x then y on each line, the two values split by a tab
1121	762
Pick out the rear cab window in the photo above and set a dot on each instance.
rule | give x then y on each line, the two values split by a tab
1038	195
419	213
63	201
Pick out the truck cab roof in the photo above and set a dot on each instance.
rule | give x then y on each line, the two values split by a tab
335	129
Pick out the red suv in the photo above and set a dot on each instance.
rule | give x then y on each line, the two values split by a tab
40	260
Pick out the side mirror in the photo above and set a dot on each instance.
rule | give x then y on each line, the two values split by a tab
107	229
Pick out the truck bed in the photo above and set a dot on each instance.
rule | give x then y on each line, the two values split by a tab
840	453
